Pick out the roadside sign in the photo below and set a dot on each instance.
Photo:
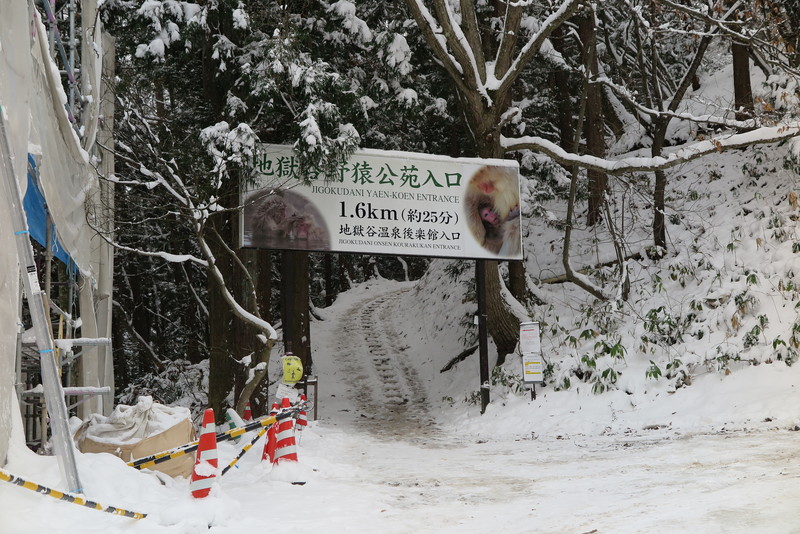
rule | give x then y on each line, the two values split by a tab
532	368
531	348
285	390
529	340
384	202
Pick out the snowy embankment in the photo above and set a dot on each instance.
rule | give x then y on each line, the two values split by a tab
761	395
706	341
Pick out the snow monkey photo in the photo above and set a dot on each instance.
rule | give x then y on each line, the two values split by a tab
283	219
491	208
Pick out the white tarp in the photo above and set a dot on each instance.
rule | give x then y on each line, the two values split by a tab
65	173
15	66
137	431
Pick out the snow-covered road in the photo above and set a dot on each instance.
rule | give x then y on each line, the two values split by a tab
431	478
739	483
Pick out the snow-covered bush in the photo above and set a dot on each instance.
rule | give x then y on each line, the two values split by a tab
181	383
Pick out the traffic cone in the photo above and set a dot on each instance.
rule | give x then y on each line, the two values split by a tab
206	464
248	415
269	445
286	447
302	416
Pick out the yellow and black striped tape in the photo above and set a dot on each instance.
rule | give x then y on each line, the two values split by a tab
67	497
244	450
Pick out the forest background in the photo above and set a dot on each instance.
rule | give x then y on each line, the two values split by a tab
602	104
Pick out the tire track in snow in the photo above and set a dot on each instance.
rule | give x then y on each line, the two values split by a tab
386	390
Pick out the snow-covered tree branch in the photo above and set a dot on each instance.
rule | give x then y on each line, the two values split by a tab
680	155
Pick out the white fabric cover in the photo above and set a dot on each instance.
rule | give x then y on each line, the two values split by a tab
65	172
133	432
15	66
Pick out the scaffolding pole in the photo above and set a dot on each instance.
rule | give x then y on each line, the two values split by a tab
57	45
53	392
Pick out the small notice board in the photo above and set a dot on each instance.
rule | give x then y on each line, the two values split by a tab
531	348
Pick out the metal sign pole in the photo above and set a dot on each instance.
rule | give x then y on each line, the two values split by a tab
483	335
53	392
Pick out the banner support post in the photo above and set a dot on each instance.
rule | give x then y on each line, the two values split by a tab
483	341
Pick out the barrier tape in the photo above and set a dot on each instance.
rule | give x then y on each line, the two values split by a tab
244	450
67	497
177	452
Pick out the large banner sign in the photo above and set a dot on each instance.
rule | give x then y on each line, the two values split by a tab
385	202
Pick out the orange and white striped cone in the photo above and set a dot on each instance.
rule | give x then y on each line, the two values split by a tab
248	414
302	416
269	445
206	464
286	447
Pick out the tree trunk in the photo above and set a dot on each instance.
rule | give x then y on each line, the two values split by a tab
264	284
192	319
742	91
659	221
259	394
327	265
517	283
221	320
346	272
294	300
503	325
485	116
246	342
230	338
659	193
220	325
595	139
560	79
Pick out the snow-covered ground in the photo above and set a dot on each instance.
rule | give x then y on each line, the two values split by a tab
695	429
720	456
